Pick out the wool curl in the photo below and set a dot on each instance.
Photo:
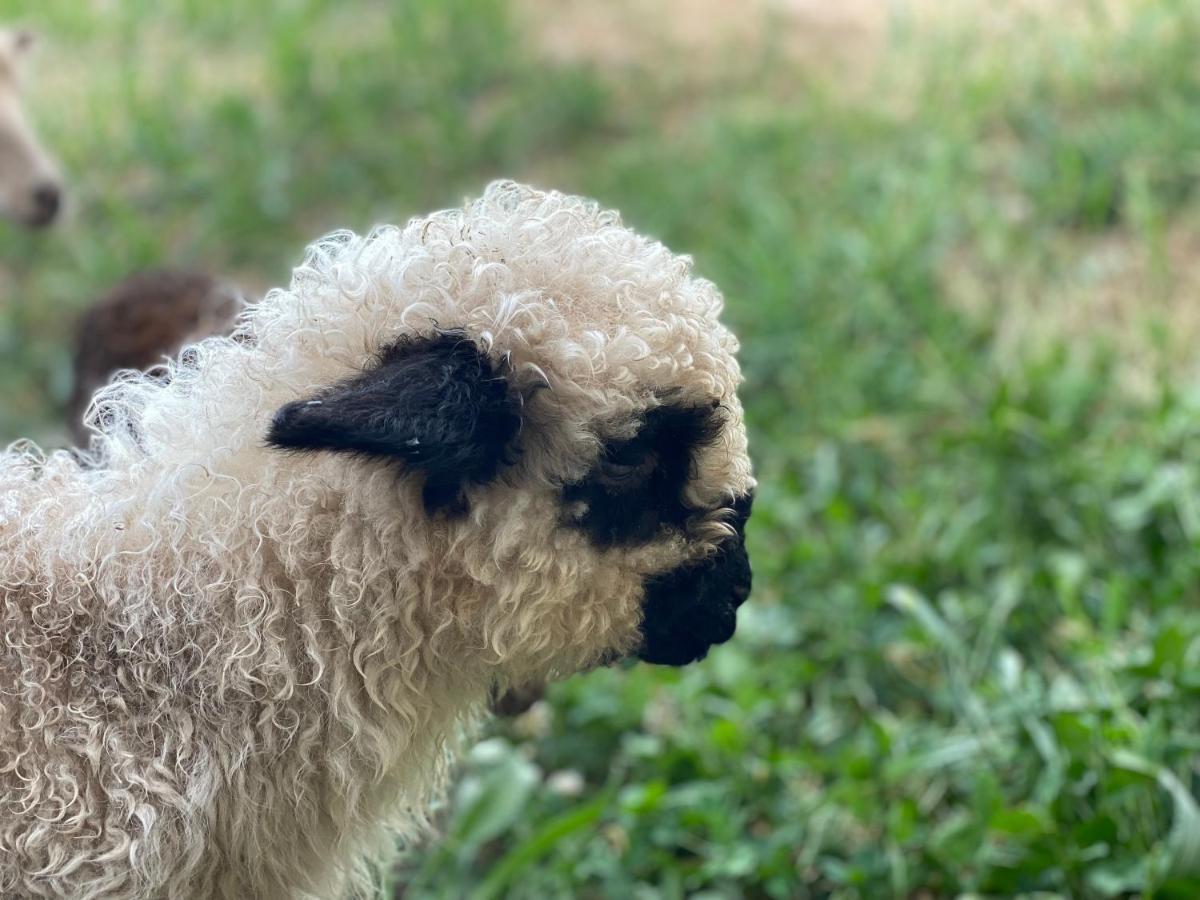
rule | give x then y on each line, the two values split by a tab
227	671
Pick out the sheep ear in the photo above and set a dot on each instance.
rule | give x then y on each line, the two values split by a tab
437	404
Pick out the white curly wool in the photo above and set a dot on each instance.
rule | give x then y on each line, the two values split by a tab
230	671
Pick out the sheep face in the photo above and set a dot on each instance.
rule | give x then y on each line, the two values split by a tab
30	190
556	400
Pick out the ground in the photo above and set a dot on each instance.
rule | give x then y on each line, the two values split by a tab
958	242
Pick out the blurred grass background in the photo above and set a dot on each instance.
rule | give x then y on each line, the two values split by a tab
962	249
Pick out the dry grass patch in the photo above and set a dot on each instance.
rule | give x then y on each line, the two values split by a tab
1137	295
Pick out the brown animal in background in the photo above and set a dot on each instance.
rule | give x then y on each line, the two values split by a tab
147	317
30	187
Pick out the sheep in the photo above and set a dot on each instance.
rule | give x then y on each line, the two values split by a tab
146	318
244	636
30	186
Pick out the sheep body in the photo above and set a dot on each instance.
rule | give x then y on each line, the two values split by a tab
228	671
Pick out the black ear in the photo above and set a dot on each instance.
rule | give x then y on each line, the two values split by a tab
436	403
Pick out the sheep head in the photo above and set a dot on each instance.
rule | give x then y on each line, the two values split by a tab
563	395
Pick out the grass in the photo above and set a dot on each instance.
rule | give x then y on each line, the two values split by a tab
972	663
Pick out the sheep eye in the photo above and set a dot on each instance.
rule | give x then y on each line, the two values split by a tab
636	487
623	473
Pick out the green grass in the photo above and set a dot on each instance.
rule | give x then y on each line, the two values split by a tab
972	662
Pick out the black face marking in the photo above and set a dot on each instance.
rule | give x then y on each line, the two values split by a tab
437	404
687	611
636	488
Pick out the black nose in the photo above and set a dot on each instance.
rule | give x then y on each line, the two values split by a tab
688	610
47	198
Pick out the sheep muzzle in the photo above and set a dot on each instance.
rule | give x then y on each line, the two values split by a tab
690	609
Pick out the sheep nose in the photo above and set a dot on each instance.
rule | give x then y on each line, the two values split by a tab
47	199
687	611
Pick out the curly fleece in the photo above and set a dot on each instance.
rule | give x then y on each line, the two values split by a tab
230	671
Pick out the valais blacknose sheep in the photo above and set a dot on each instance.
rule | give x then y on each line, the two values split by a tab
242	639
